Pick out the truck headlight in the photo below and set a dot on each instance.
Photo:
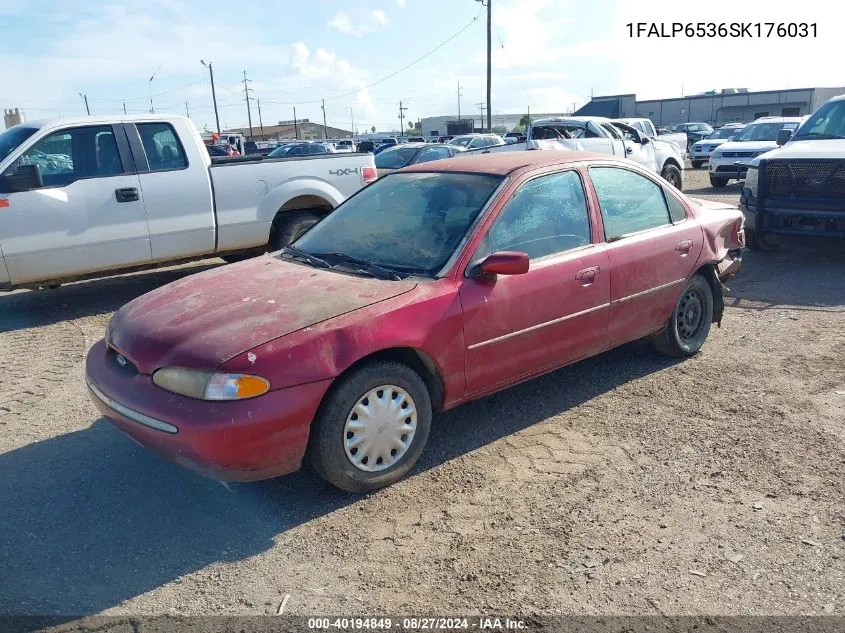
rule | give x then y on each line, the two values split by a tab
716	154
206	385
751	180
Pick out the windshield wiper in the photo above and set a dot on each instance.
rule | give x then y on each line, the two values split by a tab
363	265
298	253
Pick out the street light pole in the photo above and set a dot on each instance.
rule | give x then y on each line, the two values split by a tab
85	97
352	118
488	3
213	94
150	85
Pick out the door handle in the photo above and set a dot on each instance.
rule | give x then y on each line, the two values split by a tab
683	247
587	275
126	194
629	149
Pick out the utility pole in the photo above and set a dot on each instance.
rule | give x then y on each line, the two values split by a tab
402	119
459	104
150	87
124	107
187	112
352	118
489	61
85	97
323	106
260	121
248	110
529	119
213	95
295	126
481	109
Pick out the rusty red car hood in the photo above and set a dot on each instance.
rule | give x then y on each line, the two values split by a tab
205	319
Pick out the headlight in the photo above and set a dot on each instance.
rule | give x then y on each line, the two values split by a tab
206	385
751	180
716	154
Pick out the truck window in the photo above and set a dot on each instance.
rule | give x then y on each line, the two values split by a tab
162	146
72	154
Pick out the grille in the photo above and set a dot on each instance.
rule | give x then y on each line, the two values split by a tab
737	154
806	178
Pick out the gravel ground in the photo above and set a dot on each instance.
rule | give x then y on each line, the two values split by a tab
626	484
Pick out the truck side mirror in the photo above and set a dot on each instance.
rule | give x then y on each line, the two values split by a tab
24	178
783	136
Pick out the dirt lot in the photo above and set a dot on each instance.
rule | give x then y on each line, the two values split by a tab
627	484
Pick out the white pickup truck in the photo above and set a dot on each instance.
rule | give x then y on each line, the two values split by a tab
602	135
89	196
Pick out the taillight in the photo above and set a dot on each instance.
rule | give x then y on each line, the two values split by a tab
369	174
738	232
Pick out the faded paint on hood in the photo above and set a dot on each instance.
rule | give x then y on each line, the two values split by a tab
205	319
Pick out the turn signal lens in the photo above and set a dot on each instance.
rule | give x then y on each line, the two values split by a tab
204	385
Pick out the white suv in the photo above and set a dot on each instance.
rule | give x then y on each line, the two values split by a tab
730	160
700	151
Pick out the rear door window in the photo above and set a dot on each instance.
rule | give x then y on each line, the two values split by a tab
162	146
629	201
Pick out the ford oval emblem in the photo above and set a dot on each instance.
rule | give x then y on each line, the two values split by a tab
120	360
814	182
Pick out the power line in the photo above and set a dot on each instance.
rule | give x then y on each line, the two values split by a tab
512	65
391	75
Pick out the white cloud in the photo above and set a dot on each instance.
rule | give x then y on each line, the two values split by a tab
338	72
361	23
401	3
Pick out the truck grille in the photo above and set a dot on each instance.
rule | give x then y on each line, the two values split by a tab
805	178
738	154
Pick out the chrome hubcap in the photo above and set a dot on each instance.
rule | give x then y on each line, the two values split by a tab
380	428
689	315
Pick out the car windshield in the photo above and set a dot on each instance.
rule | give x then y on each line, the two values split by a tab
407	222
762	131
396	158
826	122
13	137
725	132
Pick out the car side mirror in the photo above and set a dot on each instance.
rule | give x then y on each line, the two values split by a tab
783	136
24	178
502	263
644	140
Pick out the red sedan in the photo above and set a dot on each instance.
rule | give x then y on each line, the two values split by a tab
437	284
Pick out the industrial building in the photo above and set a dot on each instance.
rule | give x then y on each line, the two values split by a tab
715	107
302	129
452	124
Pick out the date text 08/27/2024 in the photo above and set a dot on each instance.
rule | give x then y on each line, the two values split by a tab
722	29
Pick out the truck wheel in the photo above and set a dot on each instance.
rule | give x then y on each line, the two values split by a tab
372	427
689	324
718	182
697	163
673	175
758	242
288	227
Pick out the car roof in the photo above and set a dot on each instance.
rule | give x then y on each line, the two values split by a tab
504	163
778	119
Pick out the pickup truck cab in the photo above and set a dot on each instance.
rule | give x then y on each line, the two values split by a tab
731	159
602	135
646	128
799	187
89	196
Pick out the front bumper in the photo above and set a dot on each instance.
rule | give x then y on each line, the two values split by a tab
729	168
246	440
780	220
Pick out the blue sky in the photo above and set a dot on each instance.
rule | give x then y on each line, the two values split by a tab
548	54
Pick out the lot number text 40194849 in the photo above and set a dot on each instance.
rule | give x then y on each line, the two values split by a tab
722	29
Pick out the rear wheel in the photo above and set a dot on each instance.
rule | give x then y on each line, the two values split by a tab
689	324
372	427
289	226
718	182
757	242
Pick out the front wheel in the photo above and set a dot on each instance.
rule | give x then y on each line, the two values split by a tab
672	175
372	427
689	324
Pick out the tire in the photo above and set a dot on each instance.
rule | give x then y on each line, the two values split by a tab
673	175
690	322
757	242
332	447
697	163
719	183
288	226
